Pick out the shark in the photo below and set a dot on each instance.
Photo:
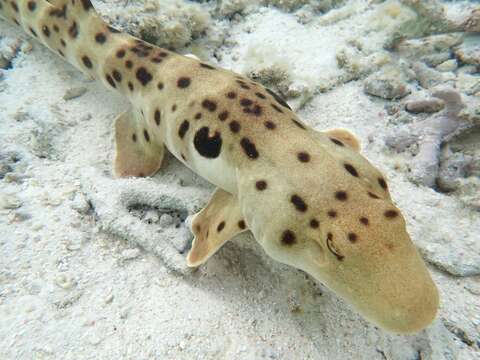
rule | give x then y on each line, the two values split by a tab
310	198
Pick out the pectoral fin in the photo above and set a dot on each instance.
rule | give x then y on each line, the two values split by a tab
137	152
345	137
217	223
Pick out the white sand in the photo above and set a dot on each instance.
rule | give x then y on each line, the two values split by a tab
71	287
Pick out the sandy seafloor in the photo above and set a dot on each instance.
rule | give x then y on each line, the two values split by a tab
92	267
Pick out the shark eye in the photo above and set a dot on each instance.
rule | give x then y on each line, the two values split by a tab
331	247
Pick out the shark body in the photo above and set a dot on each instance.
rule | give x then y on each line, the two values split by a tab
309	198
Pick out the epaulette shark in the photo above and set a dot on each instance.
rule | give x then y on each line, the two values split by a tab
310	198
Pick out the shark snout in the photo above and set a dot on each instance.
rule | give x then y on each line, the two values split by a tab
407	310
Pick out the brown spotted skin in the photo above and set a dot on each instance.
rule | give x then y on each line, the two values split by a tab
310	198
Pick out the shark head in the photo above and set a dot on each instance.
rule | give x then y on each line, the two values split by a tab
336	221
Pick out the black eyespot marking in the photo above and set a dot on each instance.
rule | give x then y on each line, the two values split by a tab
332	248
117	76
364	221
241	224
261	185
60	52
220	226
130	86
278	99
332	214
56	28
382	183
234	126
288	238
314	224
299	124
341	195
183	82
373	196
277	108
249	148
351	170
206	66
32	6
303	156
134	137
73	30
34	33
209	105
298	202
121	53
174	107
46	31
223	115
110	81
146	135
206	145
198	116
270	125
128	64
62	42
87	62
182	130
260	95
156	116
160	86
232	95
337	142
143	76
352	237
100	38
245	86
390	214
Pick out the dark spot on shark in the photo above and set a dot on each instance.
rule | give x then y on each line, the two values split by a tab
303	156
183	82
351	169
382	183
341	195
100	38
332	214
299	203
209	105
249	148
288	238
143	75
314	224
182	130
261	185
352	237
390	214
234	126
